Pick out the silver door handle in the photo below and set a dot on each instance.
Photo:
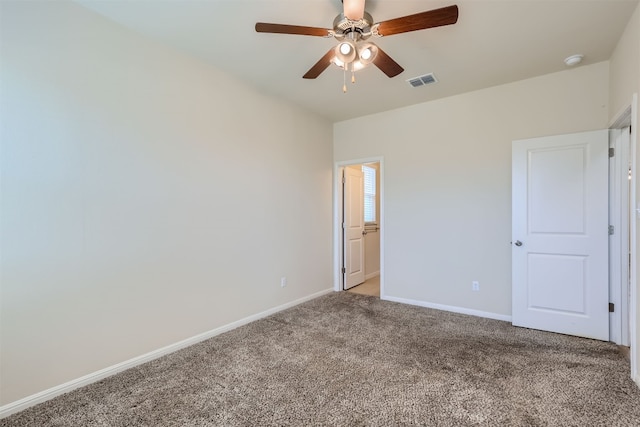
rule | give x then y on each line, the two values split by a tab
518	243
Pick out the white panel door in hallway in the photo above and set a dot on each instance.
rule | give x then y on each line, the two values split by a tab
560	234
353	226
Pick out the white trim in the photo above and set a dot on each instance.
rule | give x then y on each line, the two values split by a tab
337	218
633	315
614	240
337	208
628	116
619	213
622	119
48	394
451	308
382	228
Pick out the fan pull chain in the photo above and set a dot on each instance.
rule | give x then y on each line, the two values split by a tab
344	81
353	73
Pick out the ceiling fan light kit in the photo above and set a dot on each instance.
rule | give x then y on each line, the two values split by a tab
353	54
346	51
353	27
366	52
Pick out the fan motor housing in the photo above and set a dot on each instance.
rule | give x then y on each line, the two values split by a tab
343	26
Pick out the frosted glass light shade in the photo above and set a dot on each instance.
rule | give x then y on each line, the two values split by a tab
346	51
367	53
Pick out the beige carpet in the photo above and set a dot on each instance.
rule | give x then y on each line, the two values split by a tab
352	360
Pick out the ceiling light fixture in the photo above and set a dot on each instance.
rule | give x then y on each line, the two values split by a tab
367	52
346	51
356	25
353	54
573	60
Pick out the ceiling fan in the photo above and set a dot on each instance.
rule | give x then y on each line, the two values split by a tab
353	28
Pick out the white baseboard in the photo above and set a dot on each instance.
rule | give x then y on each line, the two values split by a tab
372	275
48	394
450	308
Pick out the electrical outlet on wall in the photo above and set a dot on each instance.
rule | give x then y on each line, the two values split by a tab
475	286
283	282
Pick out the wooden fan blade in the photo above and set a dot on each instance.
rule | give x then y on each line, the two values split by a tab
387	65
320	66
263	27
420	21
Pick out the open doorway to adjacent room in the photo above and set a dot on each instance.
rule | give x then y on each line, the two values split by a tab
359	227
622	242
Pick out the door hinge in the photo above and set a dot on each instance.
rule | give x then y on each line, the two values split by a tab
343	225
344	270
612	152
611	230
612	307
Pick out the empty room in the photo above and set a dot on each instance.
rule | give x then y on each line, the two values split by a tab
319	212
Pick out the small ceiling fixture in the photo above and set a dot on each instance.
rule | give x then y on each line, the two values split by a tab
573	60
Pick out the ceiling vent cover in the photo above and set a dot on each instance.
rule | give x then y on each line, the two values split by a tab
427	79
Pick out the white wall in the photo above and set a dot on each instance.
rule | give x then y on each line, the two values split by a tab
371	254
448	180
624	82
624	71
146	197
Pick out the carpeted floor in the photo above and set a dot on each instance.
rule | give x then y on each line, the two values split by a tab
353	360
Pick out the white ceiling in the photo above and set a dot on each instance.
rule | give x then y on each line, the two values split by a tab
493	42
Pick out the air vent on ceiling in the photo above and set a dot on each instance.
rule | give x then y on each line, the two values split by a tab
422	80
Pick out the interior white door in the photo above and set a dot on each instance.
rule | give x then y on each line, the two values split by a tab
353	224
560	234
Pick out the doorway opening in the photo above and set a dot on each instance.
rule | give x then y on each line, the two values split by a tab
358	226
620	177
625	212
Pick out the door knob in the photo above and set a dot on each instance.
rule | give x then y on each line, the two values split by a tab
518	243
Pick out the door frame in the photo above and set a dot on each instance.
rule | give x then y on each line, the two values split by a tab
619	216
337	219
629	117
